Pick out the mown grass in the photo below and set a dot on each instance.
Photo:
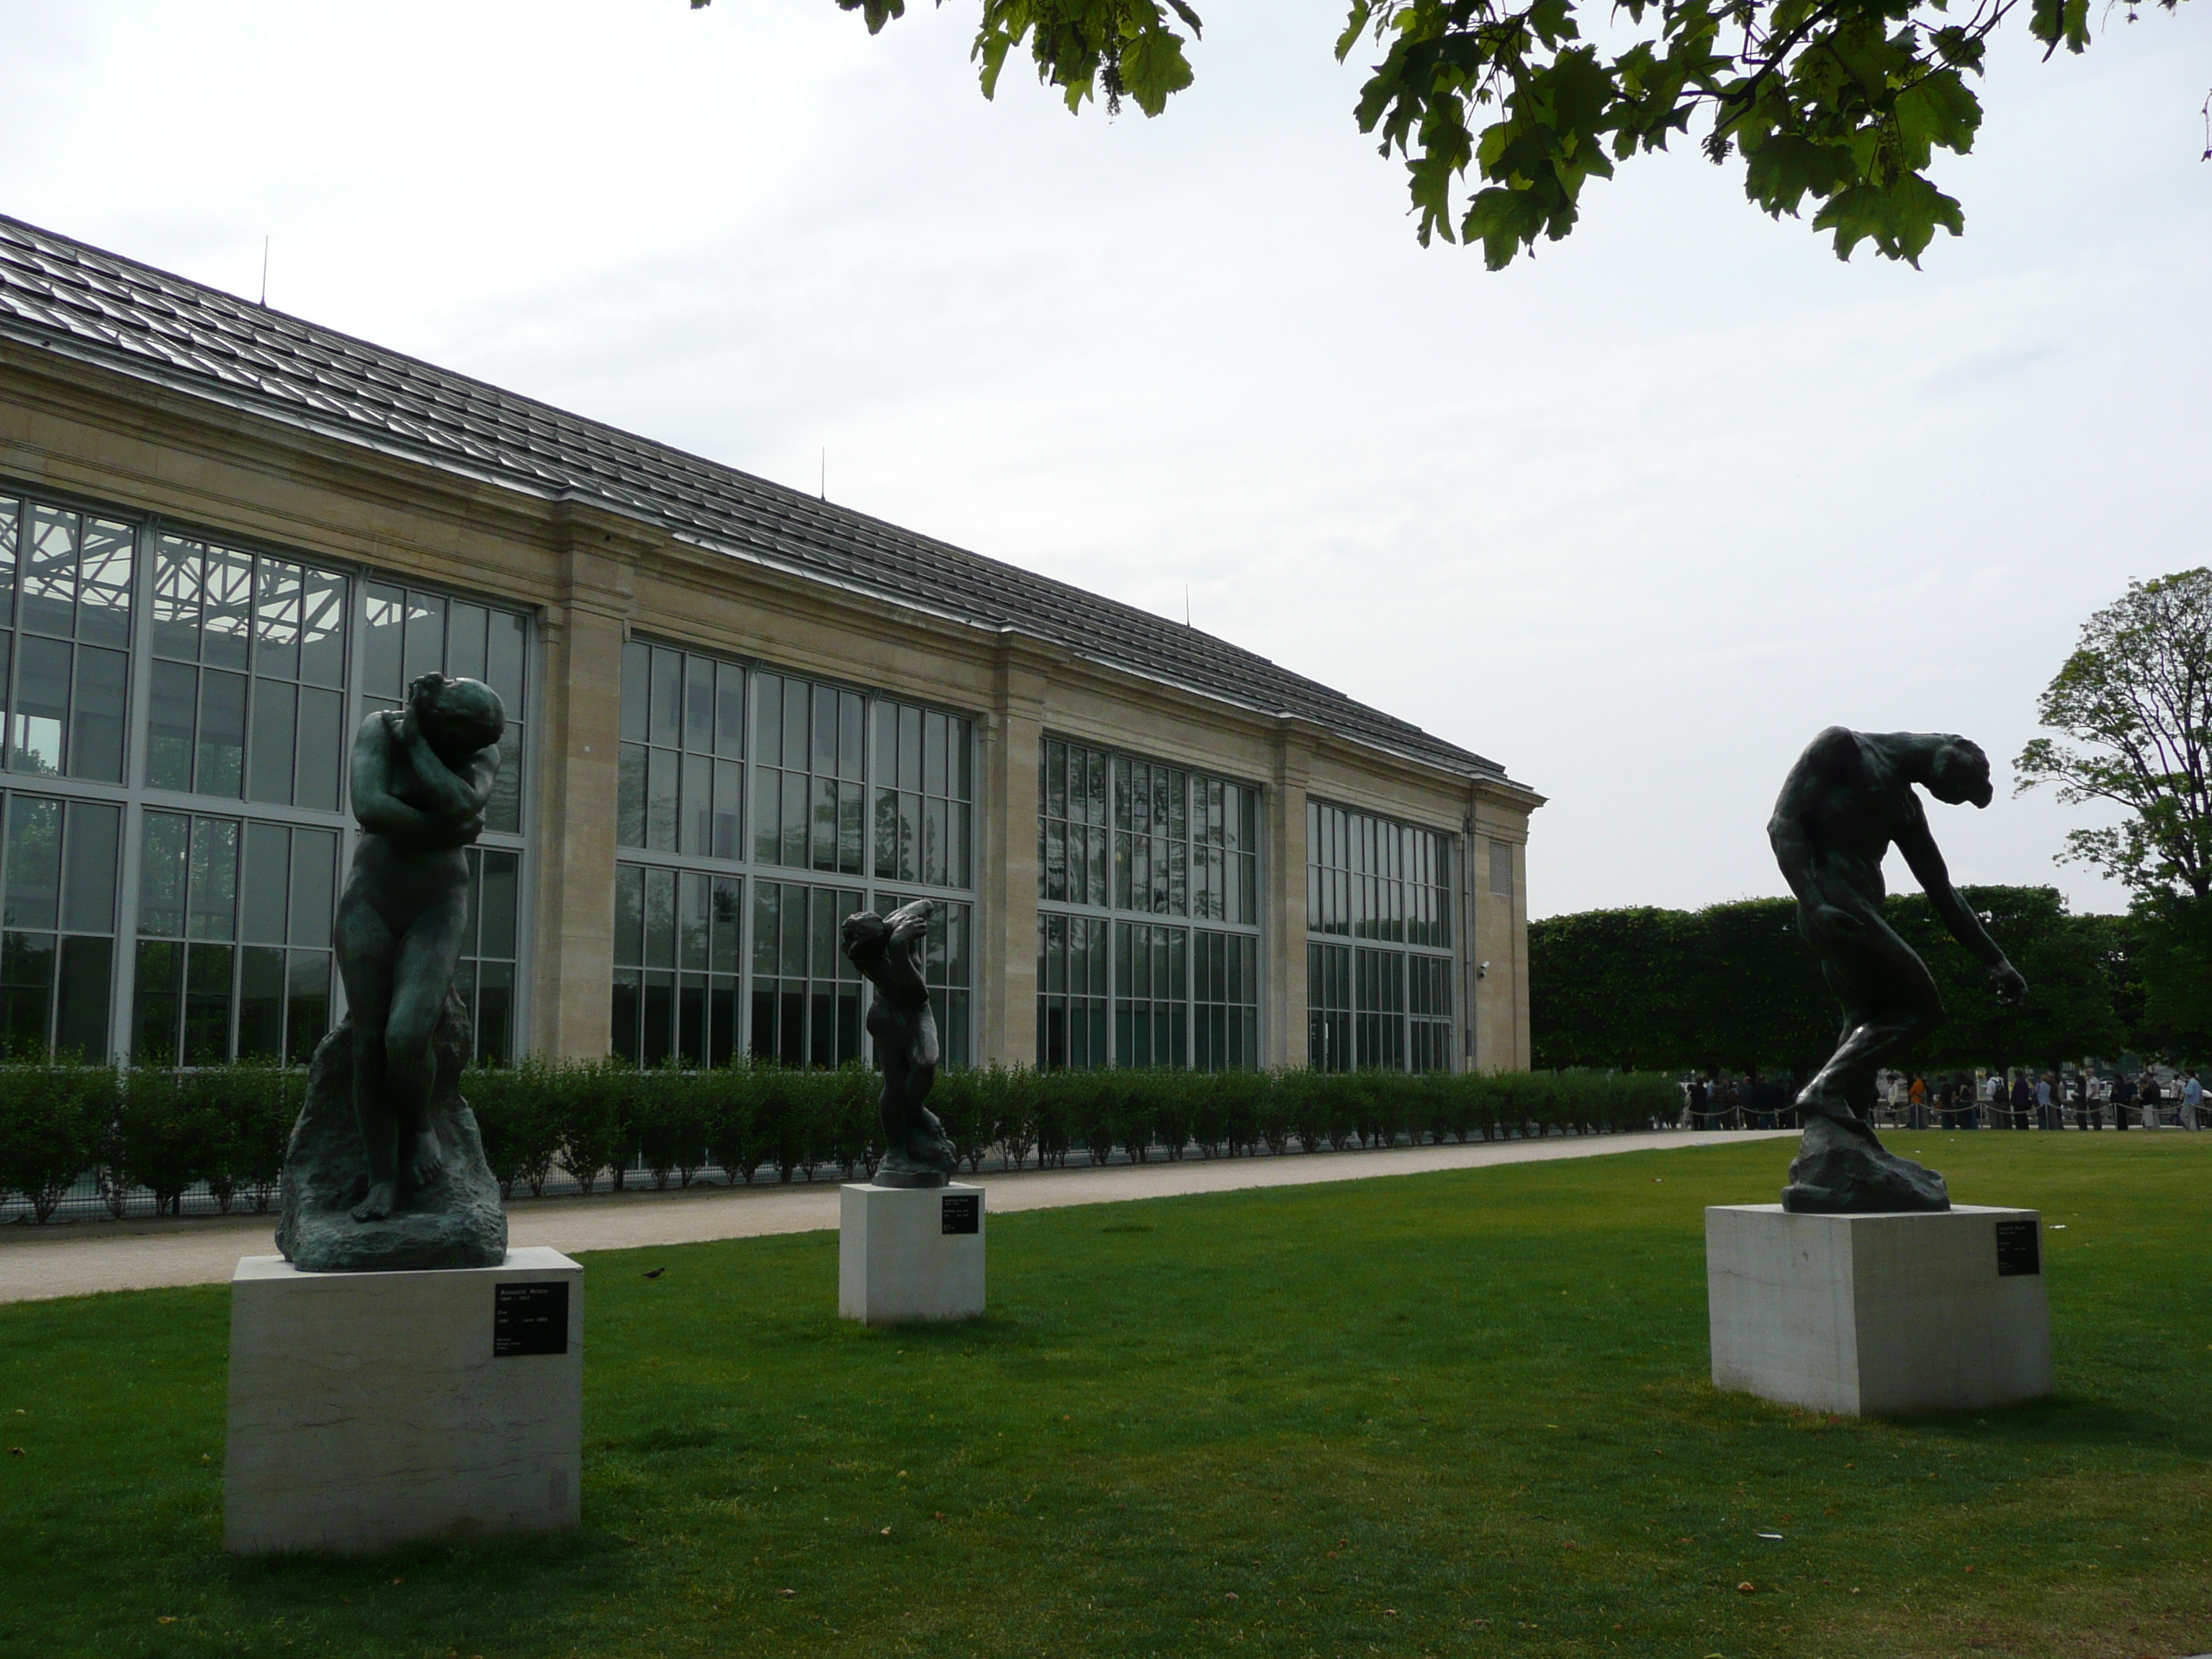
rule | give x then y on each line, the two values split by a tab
1449	1415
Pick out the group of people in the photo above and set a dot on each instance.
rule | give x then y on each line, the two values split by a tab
2019	1100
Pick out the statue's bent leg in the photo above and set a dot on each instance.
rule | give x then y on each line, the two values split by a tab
366	952
420	976
1890	1002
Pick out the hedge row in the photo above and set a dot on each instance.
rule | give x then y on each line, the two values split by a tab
161	1131
597	1121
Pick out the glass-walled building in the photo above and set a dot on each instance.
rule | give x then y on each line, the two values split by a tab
1148	913
1379	949
180	710
738	713
819	801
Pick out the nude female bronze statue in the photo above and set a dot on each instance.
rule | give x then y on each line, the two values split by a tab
1849	799
420	777
888	951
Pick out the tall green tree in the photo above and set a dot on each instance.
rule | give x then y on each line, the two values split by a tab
1845	102
2133	708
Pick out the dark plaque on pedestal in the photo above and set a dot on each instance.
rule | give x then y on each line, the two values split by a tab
529	1318
2019	1249
964	1212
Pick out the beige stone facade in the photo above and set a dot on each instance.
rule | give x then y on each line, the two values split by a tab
156	449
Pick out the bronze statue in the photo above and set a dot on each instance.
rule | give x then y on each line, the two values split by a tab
1846	801
386	1170
420	778
888	951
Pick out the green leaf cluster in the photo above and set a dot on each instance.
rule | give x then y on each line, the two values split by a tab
1845	102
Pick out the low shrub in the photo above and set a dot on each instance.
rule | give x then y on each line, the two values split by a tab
55	1123
227	1126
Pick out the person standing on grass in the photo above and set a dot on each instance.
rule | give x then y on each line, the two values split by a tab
1916	1098
2192	1098
2124	1099
2043	1102
1993	1094
2151	1096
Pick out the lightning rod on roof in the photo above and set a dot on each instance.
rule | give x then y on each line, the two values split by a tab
265	273
823	490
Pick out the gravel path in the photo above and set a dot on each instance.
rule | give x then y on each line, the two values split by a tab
80	1257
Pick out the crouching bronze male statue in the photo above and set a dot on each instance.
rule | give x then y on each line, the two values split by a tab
1847	800
888	951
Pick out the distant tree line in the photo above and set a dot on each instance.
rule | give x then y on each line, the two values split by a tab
1733	987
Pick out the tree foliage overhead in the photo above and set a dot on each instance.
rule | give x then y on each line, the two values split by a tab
1845	102
2134	705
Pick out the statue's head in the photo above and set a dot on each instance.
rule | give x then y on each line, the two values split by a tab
1959	772
459	717
862	928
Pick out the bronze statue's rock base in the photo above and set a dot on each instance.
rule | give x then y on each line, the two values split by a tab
456	1222
899	1171
1841	1169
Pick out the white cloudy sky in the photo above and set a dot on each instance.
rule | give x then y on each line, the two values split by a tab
1634	518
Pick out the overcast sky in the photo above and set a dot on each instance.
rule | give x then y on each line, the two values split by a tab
1634	518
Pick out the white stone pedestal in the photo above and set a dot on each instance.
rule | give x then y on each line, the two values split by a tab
371	1410
908	1252
1879	1315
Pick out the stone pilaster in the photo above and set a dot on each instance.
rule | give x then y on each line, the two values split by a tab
1013	739
572	967
1283	867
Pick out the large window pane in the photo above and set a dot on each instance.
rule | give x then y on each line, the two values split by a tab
97	713
34	862
212	902
323	630
227	618
81	993
275	711
221	765
89	881
41	706
50	570
322	750
171	720
159	980
104	590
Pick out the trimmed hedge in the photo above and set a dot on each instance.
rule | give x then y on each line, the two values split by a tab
227	1125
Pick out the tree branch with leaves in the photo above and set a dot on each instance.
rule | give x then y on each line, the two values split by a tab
1845	102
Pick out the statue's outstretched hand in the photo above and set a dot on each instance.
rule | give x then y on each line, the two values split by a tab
2006	981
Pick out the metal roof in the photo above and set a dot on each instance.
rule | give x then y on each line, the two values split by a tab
66	296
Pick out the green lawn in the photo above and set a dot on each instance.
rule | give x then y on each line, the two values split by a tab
1451	1414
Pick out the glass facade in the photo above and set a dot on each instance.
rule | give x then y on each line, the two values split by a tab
59	860
183	710
1379	940
843	786
1121	838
